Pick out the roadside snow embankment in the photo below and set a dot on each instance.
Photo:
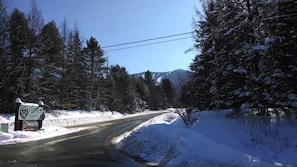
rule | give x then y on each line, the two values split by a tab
52	124
213	141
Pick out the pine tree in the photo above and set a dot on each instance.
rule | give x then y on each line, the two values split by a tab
169	92
148	78
219	71
4	34
64	36
35	24
126	90
18	28
155	97
187	98
230	75
94	60
75	73
108	97
4	58
280	38
35	18
143	93
248	55
203	66
49	64
149	82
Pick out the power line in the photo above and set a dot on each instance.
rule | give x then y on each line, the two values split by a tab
68	6
145	40
148	44
109	14
125	11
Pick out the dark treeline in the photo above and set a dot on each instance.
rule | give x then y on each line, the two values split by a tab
248	55
43	62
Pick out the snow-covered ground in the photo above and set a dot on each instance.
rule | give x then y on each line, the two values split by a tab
54	124
214	141
165	141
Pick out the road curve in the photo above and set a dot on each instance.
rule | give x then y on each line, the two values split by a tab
88	148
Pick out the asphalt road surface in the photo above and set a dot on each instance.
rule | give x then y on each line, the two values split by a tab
88	148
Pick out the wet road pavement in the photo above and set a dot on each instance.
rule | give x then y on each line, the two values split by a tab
86	148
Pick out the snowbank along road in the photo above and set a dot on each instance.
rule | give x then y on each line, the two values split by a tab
89	147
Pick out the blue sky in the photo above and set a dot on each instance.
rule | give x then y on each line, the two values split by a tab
119	21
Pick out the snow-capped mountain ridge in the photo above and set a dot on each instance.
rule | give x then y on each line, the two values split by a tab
177	77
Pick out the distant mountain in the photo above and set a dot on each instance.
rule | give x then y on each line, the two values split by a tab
177	77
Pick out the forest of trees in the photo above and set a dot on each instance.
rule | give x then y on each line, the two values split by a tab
40	61
247	55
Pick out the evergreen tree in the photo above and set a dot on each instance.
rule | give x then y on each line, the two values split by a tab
108	99
201	79
64	35
143	92
142	89
219	69
35	18
4	34
230	76
254	58
169	92
4	58
49	64
247	55
35	24
156	100
187	98
281	41
126	90
75	73
94	60
18	28
148	78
